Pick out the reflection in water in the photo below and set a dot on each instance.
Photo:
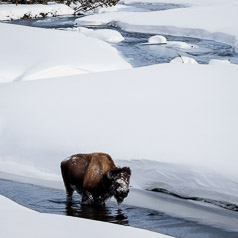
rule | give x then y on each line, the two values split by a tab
100	213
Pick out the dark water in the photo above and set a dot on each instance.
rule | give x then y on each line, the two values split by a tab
48	200
48	22
138	53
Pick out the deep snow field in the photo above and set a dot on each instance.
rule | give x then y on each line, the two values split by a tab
174	124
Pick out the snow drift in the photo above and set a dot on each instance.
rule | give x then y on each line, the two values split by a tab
31	53
184	116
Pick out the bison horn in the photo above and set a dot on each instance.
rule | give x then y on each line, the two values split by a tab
108	175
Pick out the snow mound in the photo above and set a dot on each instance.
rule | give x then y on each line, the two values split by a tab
157	39
180	44
108	35
58	53
184	60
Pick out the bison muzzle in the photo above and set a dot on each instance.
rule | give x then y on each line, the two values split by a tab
95	177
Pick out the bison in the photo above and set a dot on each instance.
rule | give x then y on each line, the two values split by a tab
95	177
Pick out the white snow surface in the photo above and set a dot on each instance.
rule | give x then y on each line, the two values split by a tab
28	224
209	19
175	125
29	53
181	115
108	35
157	39
184	60
183	45
13	12
216	61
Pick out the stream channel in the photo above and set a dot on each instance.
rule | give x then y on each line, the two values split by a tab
49	200
135	50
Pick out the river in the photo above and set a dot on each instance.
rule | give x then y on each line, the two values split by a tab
49	200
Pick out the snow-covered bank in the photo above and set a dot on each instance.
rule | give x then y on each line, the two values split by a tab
31	53
13	12
108	35
170	113
216	20
18	221
193	211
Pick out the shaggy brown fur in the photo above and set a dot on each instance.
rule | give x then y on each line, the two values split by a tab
95	177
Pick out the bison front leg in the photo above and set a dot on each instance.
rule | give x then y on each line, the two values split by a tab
92	199
99	200
87	198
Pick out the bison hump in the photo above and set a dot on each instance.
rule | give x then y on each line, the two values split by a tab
98	166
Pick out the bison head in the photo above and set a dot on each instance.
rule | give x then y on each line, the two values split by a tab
119	179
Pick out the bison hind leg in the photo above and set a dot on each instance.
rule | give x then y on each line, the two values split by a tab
69	193
68	188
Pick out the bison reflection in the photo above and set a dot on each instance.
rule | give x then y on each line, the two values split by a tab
100	213
95	177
